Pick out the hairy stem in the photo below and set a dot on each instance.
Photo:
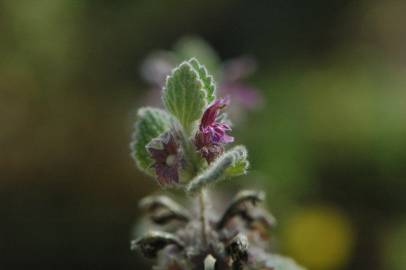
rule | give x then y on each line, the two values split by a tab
202	205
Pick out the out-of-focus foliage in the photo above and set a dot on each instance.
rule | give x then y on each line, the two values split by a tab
339	108
393	246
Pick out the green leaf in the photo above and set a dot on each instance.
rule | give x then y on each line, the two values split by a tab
208	80
231	163
151	122
184	95
240	164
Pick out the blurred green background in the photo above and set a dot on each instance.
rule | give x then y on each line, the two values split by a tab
328	144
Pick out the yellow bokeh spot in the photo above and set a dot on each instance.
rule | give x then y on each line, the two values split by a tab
320	238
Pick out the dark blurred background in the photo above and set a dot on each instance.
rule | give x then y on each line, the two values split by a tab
329	143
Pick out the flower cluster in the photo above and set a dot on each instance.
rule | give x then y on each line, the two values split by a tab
184	146
212	134
173	145
209	142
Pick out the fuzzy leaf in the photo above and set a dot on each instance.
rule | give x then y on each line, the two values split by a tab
184	95
232	163
151	122
208	80
240	164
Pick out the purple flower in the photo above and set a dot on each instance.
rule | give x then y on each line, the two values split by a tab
212	134
215	131
164	152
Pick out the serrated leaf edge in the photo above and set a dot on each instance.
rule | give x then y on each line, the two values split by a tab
172	109
202	70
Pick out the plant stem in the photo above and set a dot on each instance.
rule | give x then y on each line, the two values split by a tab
203	221
194	165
